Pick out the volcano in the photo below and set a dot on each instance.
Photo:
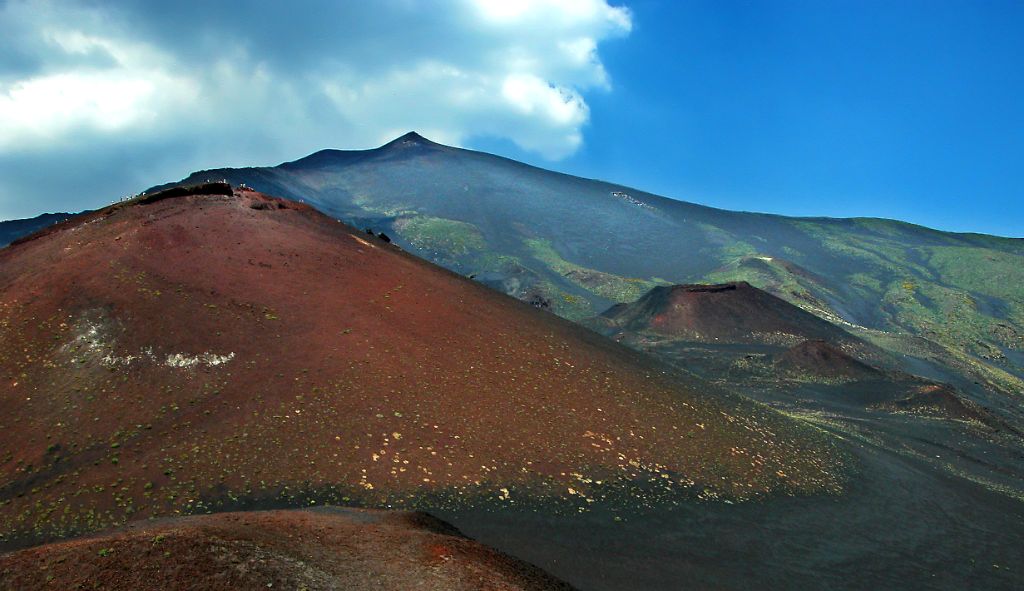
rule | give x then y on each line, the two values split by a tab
214	349
739	335
208	348
819	358
576	246
948	303
721	313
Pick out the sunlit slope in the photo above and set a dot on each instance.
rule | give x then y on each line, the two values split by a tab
202	352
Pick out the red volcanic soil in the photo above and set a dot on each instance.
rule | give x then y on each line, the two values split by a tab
820	359
724	313
314	549
202	352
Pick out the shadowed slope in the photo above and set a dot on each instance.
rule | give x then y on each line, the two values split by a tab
740	335
202	352
14	229
313	550
820	358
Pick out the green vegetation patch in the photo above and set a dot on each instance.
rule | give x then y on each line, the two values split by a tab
442	235
875	252
492	261
986	271
963	292
612	287
564	304
726	247
774	276
390	210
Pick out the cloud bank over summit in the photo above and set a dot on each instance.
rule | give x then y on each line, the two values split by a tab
117	96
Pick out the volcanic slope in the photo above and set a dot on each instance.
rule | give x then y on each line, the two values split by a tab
578	246
820	358
739	335
315	549
741	338
726	313
189	353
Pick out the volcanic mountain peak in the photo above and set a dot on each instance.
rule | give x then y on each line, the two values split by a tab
331	159
411	141
405	142
409	138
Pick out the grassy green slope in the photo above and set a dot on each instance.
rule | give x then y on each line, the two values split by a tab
963	293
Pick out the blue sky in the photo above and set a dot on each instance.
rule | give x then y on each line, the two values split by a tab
908	110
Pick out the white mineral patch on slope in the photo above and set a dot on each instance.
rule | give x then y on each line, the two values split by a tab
94	340
630	199
207	359
111	360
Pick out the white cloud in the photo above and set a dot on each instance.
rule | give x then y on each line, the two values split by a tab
191	84
38	111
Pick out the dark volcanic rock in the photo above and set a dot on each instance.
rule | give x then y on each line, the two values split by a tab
819	358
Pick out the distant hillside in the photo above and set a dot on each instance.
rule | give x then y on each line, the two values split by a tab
739	336
746	340
577	246
14	229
